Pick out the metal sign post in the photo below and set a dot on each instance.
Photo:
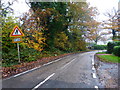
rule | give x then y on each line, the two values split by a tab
17	34
18	52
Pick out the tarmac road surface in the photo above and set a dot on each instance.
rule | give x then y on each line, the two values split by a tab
73	71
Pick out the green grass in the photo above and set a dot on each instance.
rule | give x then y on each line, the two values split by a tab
109	58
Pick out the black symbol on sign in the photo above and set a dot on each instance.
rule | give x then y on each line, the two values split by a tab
16	32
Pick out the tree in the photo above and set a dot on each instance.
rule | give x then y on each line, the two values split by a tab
113	23
61	41
9	23
55	23
5	7
9	49
95	32
80	14
69	19
33	28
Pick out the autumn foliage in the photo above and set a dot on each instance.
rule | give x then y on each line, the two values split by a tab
50	29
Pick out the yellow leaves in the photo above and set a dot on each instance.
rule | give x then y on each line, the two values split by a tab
37	42
33	28
33	35
36	45
41	40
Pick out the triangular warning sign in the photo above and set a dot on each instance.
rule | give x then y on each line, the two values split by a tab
17	32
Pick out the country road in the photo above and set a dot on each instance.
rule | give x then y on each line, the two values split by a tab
73	71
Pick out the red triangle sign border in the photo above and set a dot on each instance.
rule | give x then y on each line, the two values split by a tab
21	33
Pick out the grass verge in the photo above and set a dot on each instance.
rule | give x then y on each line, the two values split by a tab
109	58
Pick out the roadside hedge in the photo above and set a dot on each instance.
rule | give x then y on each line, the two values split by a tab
26	55
110	46
100	47
116	51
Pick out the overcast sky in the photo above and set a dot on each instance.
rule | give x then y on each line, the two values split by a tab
102	5
20	7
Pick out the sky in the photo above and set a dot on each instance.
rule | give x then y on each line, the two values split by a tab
20	7
103	6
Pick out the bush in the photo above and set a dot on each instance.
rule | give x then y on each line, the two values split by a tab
116	51
29	54
117	43
10	57
110	46
26	55
100	47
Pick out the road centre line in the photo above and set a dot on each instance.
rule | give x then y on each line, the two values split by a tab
43	81
50	76
51	62
67	64
32	69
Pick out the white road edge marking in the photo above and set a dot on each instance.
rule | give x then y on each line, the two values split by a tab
96	87
26	71
94	75
43	81
32	69
67	64
93	68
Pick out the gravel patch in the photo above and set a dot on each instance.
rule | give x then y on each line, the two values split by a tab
107	73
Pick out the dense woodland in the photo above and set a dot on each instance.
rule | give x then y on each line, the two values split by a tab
50	28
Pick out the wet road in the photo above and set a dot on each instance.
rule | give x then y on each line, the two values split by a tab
73	71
